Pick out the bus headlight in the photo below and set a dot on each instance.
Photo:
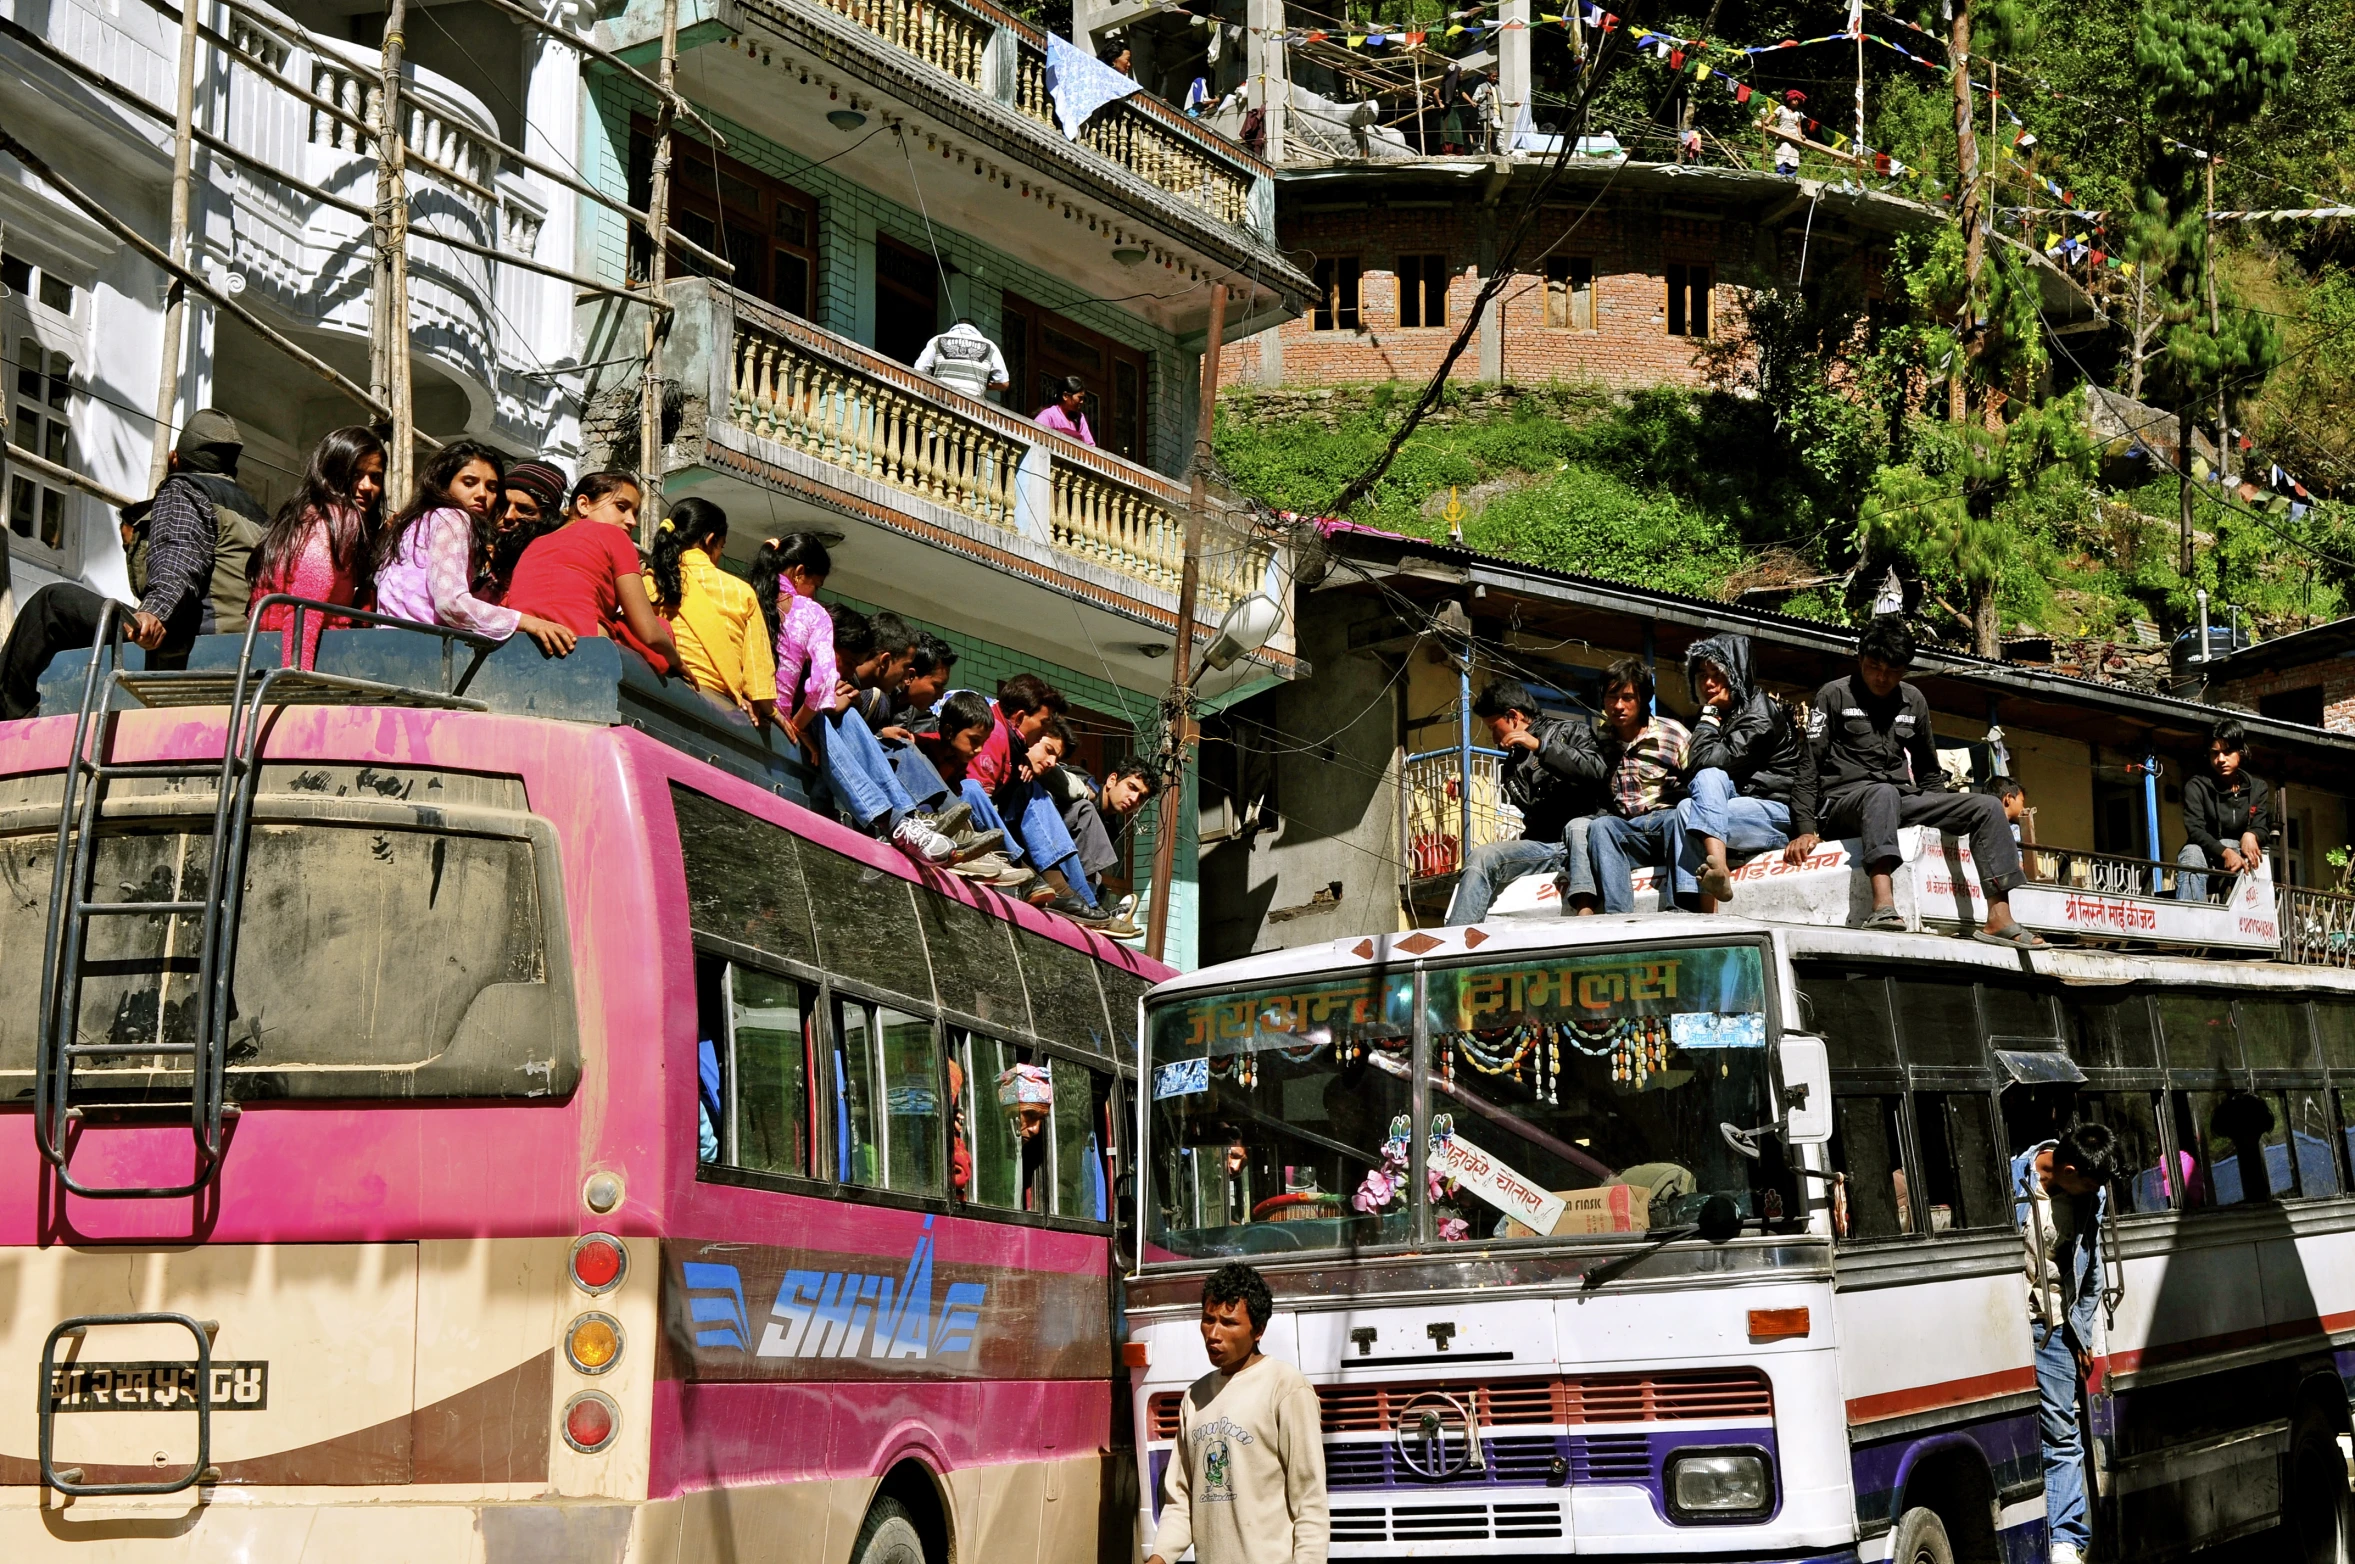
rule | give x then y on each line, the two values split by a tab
1714	1485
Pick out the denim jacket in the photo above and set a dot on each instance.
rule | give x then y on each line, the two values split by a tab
2079	1260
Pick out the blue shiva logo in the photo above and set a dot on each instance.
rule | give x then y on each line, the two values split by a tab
840	1314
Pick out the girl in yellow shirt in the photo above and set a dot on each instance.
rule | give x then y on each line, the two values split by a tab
714	617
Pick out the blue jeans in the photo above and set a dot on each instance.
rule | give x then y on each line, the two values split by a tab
1492	867
2057	1429
918	777
861	777
1618	844
2194	887
1747	826
1039	827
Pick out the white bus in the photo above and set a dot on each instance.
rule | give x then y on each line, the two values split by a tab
1678	1237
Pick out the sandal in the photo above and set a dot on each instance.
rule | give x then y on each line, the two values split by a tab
1886	920
2013	938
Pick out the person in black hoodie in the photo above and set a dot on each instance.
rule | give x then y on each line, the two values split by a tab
1553	773
2227	816
1745	760
1869	738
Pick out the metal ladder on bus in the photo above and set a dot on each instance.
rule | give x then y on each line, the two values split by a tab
63	1062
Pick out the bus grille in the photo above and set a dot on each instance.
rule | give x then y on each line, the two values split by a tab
1564	1401
1446	1523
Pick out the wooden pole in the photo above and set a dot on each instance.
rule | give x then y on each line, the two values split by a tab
1181	729
388	344
167	390
658	247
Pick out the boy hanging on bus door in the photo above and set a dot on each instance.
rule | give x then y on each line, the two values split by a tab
2060	1188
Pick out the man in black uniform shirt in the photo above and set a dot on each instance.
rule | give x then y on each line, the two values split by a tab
2228	816
1869	739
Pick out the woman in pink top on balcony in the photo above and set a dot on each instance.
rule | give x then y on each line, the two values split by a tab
1063	415
427	558
317	545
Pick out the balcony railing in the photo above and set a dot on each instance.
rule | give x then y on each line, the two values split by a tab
1437	784
2317	927
805	388
1140	133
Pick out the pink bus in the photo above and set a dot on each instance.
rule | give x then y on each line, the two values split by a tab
613	1159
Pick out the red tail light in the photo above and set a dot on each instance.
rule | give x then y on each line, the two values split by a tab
599	1263
590	1421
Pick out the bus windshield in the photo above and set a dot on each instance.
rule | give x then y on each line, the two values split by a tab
1571	1094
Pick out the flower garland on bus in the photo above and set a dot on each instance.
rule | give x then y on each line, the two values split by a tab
1637	1047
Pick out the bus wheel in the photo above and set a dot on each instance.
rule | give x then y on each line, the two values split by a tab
890	1537
1921	1539
2316	1513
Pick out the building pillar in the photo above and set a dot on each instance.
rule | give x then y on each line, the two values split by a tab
1492	319
1268	69
1513	82
1271	356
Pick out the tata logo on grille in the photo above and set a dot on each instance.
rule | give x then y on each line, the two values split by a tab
841	1314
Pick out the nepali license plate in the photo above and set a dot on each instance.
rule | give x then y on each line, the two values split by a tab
158	1387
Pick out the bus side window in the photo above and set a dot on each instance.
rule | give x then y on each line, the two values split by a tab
1083	1100
712	1063
2245	1138
2109	1031
1867	1147
887	1081
768	1067
1961	1182
858	1130
1938	1022
1850	1011
1006	1143
2275	1032
2142	1182
2199	1031
2313	1143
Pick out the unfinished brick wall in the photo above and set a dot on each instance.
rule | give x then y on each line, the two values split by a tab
1628	345
2335	676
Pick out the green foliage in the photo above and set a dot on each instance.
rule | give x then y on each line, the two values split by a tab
2213	64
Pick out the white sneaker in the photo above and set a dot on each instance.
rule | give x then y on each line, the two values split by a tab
2066	1553
918	840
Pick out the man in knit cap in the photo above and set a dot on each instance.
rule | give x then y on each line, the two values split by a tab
531	502
1246	1484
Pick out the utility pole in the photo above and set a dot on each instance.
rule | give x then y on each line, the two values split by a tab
1958	54
2215	321
388	357
1181	677
657	319
167	391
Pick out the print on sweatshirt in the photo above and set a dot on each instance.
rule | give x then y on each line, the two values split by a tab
1218	1465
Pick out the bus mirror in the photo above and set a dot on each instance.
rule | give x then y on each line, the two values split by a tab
1720	1220
1807	1090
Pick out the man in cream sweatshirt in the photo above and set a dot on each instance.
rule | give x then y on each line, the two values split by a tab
1246	1484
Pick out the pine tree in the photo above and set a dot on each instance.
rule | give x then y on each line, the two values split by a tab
2205	71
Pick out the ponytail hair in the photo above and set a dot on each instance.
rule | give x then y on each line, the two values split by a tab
796	550
692	523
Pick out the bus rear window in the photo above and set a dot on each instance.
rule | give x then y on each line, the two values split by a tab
372	961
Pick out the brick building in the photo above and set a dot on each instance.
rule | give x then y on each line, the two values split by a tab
1630	276
2306	677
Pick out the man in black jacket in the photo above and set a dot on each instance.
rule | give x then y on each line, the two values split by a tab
2228	816
1869	739
1553	773
1745	760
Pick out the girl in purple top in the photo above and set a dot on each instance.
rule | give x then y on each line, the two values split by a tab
1063	415
786	577
426	558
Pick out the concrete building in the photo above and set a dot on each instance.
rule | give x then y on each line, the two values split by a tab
878	172
83	319
1337	804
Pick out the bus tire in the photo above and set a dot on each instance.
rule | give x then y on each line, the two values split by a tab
1921	1539
2316	1514
889	1536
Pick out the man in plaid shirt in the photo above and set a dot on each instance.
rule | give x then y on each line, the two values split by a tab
1647	753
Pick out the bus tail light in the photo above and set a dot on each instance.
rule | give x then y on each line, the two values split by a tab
590	1421
598	1263
593	1343
1135	1355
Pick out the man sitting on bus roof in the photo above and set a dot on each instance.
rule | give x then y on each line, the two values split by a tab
1648	761
1869	740
1745	759
2059	1191
2228	814
1553	774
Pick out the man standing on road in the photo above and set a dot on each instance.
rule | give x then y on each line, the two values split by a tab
2059	1190
1246	1484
